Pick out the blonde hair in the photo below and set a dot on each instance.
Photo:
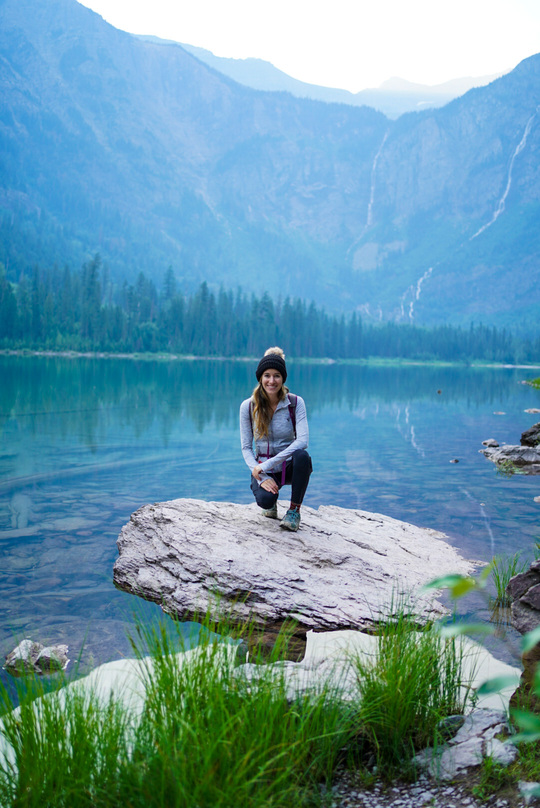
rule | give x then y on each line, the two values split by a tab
262	410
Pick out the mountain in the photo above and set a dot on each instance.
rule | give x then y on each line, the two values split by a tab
141	151
393	97
144	153
456	208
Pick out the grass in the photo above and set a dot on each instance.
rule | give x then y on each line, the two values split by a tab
507	468
67	751
503	568
414	682
494	778
207	735
231	740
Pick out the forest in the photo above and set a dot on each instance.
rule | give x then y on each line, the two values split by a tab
64	310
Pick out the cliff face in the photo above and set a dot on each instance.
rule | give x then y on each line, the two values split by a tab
456	205
138	150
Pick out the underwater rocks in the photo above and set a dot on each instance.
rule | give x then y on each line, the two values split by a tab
32	657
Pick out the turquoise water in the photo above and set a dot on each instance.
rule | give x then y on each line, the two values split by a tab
85	442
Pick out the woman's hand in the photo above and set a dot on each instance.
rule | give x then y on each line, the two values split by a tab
269	484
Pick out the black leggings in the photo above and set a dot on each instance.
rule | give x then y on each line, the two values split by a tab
297	475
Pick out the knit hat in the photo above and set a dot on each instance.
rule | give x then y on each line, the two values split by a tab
271	362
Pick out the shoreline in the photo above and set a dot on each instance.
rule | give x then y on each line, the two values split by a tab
172	357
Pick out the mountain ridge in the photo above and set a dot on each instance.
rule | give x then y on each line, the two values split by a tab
154	159
393	97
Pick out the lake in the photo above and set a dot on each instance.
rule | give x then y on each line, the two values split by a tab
86	441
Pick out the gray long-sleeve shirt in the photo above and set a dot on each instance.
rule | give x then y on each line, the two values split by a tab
280	443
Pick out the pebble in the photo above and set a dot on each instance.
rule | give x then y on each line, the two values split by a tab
348	792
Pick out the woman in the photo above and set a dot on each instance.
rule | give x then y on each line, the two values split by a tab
277	422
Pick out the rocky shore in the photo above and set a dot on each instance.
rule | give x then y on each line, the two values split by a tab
523	458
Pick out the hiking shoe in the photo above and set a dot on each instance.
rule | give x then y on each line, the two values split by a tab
271	513
291	520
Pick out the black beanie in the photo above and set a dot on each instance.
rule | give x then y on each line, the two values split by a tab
271	362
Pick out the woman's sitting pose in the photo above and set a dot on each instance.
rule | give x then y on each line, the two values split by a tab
276	421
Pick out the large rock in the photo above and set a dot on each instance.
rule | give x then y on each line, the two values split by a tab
475	740
341	570
524	589
531	437
525	459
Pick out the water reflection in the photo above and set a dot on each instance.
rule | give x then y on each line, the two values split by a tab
85	442
66	393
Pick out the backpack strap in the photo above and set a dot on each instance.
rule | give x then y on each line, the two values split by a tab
292	410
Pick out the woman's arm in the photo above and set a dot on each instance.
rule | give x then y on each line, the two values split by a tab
246	439
246	434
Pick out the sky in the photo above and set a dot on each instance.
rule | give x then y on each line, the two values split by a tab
350	44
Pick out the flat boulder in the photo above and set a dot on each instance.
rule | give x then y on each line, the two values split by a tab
341	570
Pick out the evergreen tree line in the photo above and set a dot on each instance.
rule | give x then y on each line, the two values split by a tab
84	311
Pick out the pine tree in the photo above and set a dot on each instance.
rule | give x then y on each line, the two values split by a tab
8	308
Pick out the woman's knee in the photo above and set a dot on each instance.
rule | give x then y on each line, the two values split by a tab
265	499
302	459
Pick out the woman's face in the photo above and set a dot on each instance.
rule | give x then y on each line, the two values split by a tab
272	382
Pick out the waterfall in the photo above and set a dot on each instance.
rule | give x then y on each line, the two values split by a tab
416	296
369	219
519	148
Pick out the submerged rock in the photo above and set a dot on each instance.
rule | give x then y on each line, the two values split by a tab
342	569
31	657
